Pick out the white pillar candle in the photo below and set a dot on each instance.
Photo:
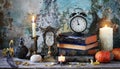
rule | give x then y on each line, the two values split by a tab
106	38
61	58
33	27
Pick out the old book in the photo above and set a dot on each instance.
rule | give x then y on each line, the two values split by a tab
77	58
71	38
77	47
74	52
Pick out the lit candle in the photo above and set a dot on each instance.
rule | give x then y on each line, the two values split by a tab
33	27
106	38
61	58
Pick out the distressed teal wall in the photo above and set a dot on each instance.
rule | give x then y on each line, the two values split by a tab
15	17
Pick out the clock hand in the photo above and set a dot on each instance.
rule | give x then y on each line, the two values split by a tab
78	22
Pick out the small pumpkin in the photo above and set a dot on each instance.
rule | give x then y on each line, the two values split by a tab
103	56
116	53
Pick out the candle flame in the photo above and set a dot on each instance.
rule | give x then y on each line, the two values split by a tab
105	25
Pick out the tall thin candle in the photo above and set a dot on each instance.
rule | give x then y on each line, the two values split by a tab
33	27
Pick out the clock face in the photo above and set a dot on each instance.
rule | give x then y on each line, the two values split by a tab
49	38
78	24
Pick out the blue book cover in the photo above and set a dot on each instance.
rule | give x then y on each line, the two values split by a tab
71	38
75	42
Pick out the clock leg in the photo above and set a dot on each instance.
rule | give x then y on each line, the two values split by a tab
49	58
49	50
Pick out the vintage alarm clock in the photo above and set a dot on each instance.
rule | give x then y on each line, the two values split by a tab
78	22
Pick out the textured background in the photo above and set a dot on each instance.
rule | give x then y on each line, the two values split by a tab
15	17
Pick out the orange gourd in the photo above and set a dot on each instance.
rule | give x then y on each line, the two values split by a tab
103	56
116	53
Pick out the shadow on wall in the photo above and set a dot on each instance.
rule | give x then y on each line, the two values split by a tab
1	43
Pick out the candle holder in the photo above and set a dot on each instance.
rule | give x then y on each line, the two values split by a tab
35	44
62	63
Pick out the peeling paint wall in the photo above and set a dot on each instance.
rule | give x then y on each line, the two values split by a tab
15	17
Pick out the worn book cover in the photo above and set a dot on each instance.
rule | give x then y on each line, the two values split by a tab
74	52
71	38
76	46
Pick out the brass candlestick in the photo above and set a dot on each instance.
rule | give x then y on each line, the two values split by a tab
35	44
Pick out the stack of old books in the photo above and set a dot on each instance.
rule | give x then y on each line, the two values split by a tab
71	44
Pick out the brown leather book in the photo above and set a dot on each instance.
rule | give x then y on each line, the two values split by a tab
77	47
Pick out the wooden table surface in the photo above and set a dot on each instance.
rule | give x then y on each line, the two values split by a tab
48	65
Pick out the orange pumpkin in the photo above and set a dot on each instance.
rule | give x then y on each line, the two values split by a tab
103	56
116	53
